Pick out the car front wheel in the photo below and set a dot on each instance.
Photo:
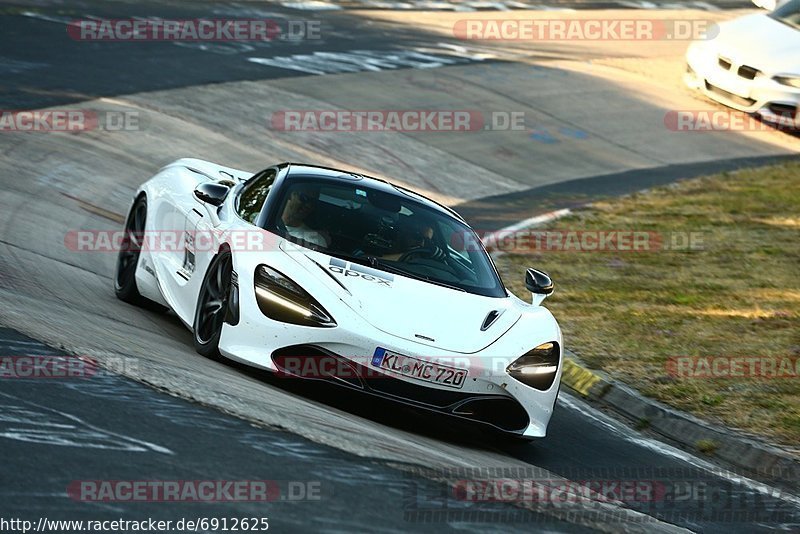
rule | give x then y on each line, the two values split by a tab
212	305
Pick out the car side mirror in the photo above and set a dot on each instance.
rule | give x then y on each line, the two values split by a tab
539	283
212	193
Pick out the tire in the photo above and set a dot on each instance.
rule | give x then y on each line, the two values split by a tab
128	258
212	305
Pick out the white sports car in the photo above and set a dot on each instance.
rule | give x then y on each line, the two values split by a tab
753	65
325	274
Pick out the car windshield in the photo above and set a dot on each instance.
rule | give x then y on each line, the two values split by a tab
391	231
789	14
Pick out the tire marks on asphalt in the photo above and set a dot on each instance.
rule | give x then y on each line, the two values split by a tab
27	421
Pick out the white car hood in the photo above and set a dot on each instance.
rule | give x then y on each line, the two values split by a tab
761	42
422	312
212	170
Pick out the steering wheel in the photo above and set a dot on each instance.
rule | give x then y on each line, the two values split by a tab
422	252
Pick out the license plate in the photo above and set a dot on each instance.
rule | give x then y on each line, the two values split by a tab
426	371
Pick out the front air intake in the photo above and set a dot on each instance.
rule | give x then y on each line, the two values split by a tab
503	413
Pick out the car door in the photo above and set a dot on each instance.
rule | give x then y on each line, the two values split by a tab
179	222
207	225
212	225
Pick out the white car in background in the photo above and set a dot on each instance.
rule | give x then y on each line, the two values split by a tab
752	64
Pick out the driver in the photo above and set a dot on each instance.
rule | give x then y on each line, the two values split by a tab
299	206
416	237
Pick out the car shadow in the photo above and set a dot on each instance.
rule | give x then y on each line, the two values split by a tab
385	412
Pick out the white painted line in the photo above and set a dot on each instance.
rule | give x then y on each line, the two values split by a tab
128	439
705	5
485	4
360	60
490	240
542	7
120	102
654	445
40	16
388	5
5	340
312	5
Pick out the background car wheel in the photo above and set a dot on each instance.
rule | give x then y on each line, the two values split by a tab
128	258
212	305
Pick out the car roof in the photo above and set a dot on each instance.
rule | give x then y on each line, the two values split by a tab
338	175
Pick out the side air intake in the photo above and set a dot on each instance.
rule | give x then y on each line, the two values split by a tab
490	319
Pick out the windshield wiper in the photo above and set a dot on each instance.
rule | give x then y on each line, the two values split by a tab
378	263
369	261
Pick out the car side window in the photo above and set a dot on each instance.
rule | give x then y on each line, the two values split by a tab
251	199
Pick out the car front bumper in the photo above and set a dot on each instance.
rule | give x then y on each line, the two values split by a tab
489	395
774	102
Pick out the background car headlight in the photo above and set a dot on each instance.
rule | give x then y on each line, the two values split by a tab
282	299
791	81
537	368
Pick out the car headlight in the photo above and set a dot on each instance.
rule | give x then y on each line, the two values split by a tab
537	367
791	81
282	299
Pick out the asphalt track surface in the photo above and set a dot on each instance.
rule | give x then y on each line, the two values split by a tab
52	69
141	434
57	182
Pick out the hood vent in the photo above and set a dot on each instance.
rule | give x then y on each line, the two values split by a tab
490	319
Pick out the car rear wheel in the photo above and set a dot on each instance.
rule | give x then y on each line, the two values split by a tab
212	305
